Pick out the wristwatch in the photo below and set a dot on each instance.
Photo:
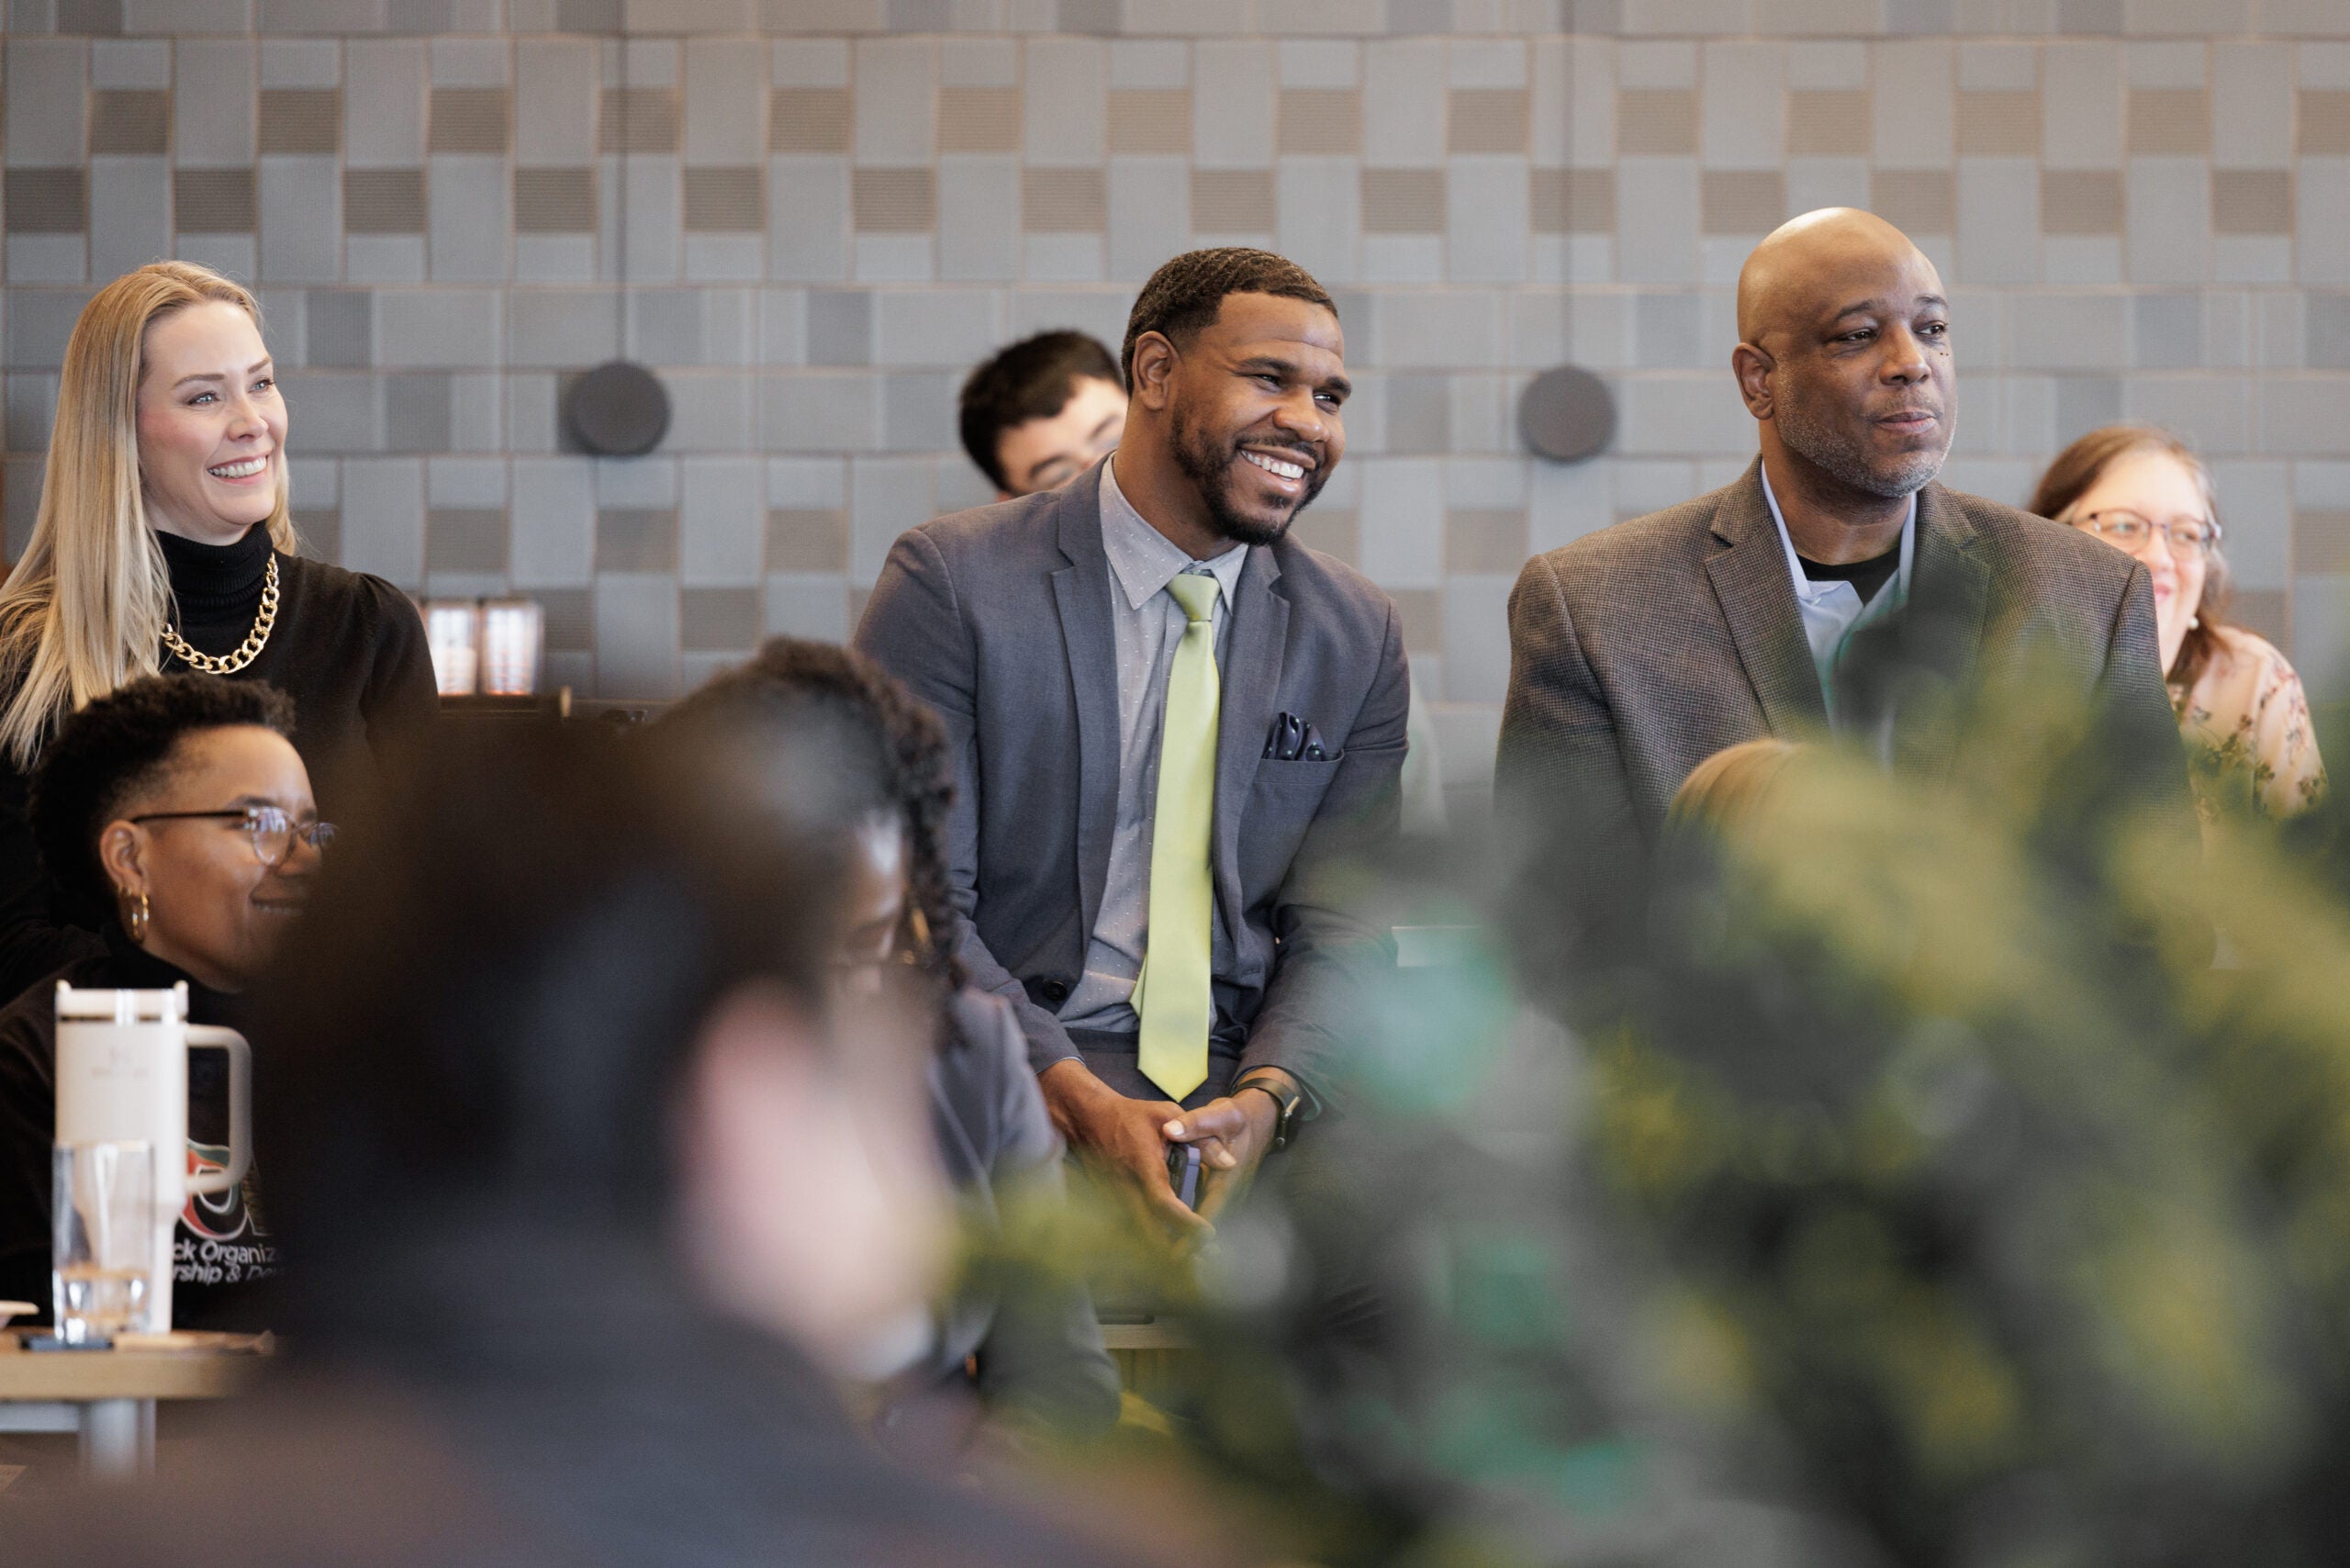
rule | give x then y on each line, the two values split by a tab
1287	1099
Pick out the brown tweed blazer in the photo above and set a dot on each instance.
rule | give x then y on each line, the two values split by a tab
1641	650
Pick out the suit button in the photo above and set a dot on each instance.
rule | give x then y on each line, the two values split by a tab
1056	992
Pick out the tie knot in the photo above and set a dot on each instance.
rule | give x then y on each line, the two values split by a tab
1197	593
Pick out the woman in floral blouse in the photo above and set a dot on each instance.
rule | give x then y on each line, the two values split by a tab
2239	703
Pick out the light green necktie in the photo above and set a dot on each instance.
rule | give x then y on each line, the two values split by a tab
1178	1007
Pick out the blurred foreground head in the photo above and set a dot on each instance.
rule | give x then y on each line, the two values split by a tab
568	990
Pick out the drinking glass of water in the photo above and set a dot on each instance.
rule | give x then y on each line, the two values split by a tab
103	1209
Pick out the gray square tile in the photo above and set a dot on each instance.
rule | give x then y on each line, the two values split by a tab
47	201
416	411
553	518
808	218
979	217
918	411
568	625
840	327
212	104
563	328
469	119
446	327
464	539
2328	328
666	325
130	209
338	327
555	91
636	636
721	519
320	531
47	105
725	102
384	103
554	201
300	202
2084	403
383	518
468	218
334	412
383	201
209	201
2168	330
1419	413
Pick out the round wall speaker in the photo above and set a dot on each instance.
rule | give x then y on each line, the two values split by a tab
1567	414
617	409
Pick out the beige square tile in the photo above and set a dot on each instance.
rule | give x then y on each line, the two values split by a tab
1999	124
979	119
204	201
1150	119
469	119
1402	201
1421	613
1486	120
808	119
638	119
2080	201
1232	201
130	120
718	620
800	540
2324	128
2252	201
554	201
57	201
1659	121
1916	201
632	539
1572	201
894	201
1485	540
1741	201
383	201
466	539
2322	542
2264	612
1828	124
1063	201
726	200
1334	531
1321	120
2169	119
301	119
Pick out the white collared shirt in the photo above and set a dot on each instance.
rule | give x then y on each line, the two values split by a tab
1833	609
1146	623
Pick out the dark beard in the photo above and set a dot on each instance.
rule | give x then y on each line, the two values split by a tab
1208	464
1836	452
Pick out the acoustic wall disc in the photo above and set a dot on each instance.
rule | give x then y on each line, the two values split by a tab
1567	414
617	409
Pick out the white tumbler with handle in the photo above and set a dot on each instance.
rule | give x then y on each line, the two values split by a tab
122	1077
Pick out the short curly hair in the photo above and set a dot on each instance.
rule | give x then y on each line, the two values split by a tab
1187	292
888	752
109	753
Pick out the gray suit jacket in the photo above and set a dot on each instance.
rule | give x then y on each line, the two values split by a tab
999	617
1638	651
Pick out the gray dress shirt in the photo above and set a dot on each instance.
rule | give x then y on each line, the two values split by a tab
1147	623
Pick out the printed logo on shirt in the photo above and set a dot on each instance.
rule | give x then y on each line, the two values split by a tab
222	1237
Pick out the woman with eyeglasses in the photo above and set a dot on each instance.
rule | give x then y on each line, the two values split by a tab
2240	705
177	821
164	542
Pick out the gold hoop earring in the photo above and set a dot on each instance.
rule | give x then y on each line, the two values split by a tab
135	917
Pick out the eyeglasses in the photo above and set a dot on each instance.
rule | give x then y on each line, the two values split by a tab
272	829
2190	538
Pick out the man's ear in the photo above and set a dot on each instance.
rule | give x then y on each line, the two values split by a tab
1154	372
122	852
1753	367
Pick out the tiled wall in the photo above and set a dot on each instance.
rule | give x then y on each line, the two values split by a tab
834	206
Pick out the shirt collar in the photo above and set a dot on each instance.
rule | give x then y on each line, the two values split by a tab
1145	560
1807	590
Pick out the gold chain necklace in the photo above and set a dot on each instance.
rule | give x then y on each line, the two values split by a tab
248	650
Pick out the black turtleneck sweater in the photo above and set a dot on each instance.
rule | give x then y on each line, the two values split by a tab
223	1250
348	648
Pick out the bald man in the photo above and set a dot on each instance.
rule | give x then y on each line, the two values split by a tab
1834	588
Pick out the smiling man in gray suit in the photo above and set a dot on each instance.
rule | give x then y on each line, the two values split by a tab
1178	955
1835	588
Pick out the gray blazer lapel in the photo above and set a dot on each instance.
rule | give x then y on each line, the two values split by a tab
1081	593
1941	631
1252	683
1751	582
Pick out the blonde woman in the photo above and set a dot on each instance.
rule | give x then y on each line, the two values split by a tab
164	544
2239	703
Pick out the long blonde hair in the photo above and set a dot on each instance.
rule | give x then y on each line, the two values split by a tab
83	610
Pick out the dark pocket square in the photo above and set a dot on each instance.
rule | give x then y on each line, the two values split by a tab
1292	739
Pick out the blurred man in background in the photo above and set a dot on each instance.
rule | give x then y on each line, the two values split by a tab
597	1189
1172	722
1042	411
